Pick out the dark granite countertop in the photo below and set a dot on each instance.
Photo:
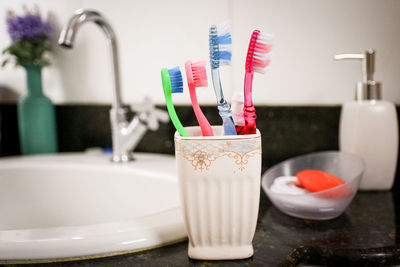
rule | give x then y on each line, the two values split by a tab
365	235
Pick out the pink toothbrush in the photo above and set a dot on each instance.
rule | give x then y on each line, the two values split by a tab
256	61
197	77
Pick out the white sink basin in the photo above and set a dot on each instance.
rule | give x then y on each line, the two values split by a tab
77	205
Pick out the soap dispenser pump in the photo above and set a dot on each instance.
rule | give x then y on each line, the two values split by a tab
369	127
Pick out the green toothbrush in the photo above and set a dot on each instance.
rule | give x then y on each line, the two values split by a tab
173	83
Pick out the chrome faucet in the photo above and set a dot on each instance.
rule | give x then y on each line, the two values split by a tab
125	135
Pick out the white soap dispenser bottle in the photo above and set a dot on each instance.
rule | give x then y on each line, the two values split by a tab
369	127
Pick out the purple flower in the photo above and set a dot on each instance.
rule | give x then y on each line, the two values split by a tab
28	27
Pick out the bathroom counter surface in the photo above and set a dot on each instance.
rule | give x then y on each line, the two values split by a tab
370	226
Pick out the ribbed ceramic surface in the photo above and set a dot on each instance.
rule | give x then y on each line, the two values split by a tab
220	190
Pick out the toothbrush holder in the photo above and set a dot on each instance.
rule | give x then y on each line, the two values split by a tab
219	179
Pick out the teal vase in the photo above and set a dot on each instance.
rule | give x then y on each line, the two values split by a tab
36	116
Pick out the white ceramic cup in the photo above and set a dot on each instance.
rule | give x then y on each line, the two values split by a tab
219	178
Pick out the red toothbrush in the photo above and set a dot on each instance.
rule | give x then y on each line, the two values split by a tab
257	60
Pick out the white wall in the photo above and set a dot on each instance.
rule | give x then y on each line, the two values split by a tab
155	34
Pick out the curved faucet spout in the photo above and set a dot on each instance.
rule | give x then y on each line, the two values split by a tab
125	135
67	38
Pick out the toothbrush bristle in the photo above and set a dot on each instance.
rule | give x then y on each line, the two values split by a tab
175	76
199	73
259	52
220	41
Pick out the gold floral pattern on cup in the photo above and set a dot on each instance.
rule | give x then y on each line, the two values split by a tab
202	154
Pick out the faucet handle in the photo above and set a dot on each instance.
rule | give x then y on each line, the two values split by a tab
149	114
162	115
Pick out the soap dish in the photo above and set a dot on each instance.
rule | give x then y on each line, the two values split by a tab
322	205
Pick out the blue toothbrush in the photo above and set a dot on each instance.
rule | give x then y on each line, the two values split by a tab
220	54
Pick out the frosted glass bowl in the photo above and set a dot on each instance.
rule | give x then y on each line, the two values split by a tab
323	205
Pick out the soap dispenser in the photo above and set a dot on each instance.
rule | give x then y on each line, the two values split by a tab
369	127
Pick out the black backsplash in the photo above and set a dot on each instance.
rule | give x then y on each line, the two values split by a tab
287	131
